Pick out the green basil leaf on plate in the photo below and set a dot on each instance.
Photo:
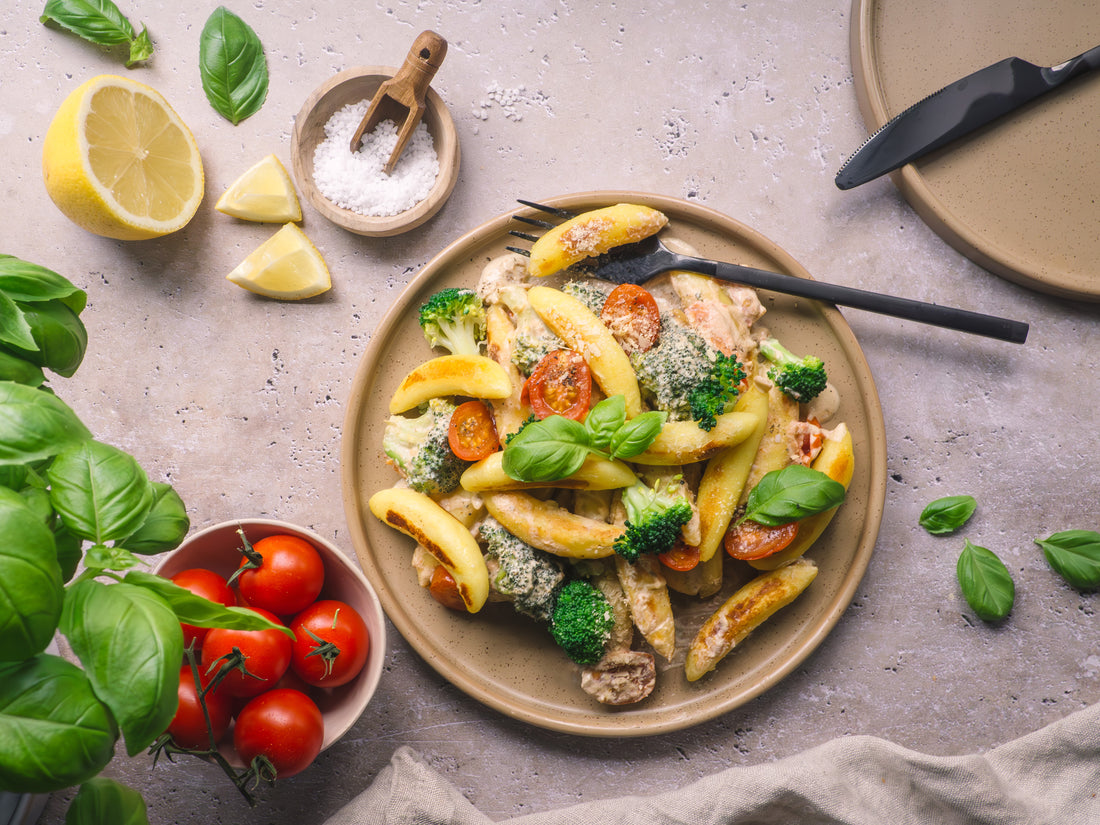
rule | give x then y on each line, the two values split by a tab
547	450
986	583
948	514
232	66
604	420
1075	556
633	437
790	494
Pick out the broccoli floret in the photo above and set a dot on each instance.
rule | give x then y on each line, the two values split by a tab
419	449
582	622
530	577
802	379
685	376
654	516
589	291
532	340
455	320
717	392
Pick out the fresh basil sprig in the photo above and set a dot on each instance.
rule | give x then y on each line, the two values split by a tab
986	583
556	447
232	66
946	515
1075	556
100	22
787	495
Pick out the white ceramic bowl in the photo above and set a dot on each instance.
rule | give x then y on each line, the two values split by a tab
216	548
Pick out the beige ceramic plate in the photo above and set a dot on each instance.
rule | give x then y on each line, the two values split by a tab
510	663
1019	196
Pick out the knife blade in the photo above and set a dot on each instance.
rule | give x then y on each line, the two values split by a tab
956	110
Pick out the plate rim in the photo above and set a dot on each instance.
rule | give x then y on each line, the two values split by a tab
919	194
617	722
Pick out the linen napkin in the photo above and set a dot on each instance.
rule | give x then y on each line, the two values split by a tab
1049	776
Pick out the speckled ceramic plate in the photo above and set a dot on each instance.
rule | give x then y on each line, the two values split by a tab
509	663
1018	197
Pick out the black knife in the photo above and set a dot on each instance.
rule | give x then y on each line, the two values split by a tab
955	110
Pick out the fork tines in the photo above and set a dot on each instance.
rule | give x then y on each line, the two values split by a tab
550	210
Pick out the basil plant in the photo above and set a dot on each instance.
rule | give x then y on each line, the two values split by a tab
76	517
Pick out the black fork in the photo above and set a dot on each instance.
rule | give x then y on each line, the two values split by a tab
639	262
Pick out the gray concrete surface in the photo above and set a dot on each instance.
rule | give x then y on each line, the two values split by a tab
746	107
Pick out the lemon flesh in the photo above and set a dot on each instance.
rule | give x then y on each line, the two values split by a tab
264	194
119	162
286	266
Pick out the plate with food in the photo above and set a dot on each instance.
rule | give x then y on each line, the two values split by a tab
610	511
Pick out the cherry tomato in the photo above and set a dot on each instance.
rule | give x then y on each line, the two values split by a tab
749	540
289	576
188	727
472	433
682	557
631	313
283	725
444	589
560	384
209	585
264	654
331	643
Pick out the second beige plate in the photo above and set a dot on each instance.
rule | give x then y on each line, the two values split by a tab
1017	197
508	662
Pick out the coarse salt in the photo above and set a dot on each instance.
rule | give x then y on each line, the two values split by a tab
355	180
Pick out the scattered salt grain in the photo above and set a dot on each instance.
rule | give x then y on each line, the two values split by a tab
356	181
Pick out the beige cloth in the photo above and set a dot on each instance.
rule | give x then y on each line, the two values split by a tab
1050	776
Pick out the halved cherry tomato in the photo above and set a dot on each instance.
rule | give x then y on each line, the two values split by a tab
682	557
561	384
444	589
749	540
472	433
631	313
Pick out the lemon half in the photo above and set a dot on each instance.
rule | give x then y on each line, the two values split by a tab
286	266
119	162
263	193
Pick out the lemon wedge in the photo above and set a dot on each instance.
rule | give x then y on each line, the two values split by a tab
119	162
264	194
286	266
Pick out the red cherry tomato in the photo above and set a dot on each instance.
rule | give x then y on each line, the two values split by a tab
331	643
631	313
283	725
682	557
472	433
444	589
209	585
264	654
749	540
289	576
560	384
188	727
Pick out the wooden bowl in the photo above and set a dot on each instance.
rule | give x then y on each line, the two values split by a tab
352	86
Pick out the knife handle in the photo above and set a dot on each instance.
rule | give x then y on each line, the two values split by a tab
962	320
1087	61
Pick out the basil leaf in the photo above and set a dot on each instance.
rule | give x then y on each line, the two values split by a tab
1075	556
985	581
31	592
165	525
23	281
604	419
635	435
101	493
14	329
101	557
35	425
547	450
232	66
130	643
196	610
58	335
56	732
104	800
99	22
787	495
948	514
19	369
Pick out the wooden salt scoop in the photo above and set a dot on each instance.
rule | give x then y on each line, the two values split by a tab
401	98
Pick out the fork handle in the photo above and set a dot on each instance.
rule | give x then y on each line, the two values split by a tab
963	320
